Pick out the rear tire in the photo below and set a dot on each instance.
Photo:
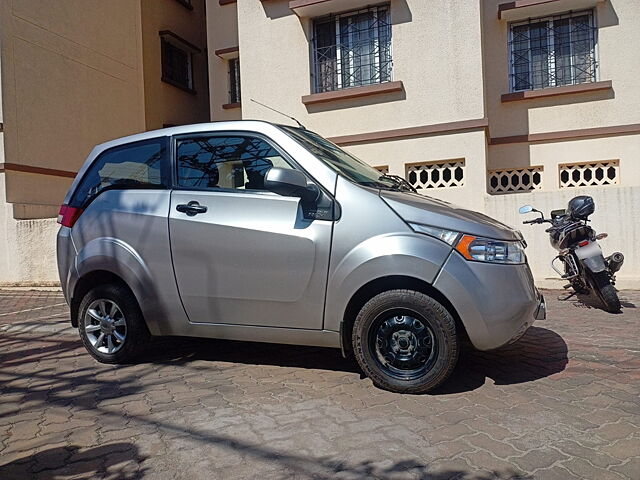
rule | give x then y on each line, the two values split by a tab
405	341
609	298
111	324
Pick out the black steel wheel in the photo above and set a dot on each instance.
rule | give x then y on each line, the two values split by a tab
405	346
405	341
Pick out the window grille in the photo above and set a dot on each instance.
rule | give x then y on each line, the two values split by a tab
176	65
515	180
234	80
352	49
436	174
382	168
588	174
553	51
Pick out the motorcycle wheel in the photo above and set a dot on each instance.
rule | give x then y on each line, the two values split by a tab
609	298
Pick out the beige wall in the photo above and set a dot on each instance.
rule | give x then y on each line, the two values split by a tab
165	103
28	247
275	55
222	32
72	78
470	146
617	22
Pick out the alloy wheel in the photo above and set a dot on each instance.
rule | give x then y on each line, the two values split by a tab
105	326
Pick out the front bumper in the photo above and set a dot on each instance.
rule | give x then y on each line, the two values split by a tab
541	311
496	303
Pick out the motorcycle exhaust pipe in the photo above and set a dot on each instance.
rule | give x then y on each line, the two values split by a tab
615	261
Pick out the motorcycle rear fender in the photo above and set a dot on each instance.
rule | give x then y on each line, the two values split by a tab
591	257
595	264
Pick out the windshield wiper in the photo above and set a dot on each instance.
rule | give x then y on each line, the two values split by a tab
399	181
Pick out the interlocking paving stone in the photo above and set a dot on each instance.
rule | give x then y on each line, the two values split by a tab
561	403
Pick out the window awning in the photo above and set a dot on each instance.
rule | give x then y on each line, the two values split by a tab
178	41
319	8
523	9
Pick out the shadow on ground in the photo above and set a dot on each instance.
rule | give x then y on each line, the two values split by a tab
115	460
538	354
590	301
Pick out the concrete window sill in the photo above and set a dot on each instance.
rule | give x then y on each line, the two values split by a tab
555	91
230	106
353	92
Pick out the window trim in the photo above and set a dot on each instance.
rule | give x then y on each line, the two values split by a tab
592	12
176	41
226	133
165	168
338	73
234	75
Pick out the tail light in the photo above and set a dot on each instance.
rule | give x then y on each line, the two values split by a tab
69	215
583	243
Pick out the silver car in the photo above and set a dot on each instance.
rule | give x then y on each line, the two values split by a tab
253	231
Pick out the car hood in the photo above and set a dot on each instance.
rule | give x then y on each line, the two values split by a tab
416	208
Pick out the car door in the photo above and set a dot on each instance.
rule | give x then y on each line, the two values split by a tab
243	255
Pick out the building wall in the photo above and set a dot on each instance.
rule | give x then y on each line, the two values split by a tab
617	22
222	33
76	73
453	60
67	85
165	103
275	58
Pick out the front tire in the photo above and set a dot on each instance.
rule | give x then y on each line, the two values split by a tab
405	341
111	324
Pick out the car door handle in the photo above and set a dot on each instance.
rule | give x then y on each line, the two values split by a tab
192	208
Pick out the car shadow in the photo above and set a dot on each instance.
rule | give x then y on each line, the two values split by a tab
538	354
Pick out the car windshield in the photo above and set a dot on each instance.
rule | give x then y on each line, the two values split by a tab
342	162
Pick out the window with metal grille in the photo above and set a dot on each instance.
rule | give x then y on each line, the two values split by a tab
553	51
176	65
352	49
234	80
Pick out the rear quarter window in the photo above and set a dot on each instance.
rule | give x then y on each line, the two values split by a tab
134	166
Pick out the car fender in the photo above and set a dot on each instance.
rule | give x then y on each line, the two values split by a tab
405	254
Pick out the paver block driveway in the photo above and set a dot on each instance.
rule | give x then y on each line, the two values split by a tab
561	403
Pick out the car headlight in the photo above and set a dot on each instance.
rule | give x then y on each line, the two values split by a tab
478	249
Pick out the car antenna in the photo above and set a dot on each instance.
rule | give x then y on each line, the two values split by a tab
277	111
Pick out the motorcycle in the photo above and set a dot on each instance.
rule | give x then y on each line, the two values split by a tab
581	260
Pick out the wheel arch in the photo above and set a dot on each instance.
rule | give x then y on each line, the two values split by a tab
383	284
89	281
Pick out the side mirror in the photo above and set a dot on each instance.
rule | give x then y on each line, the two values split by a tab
526	209
290	183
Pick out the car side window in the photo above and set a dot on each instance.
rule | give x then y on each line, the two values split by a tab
138	165
236	162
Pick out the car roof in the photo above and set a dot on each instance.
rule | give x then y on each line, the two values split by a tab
259	126
254	126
